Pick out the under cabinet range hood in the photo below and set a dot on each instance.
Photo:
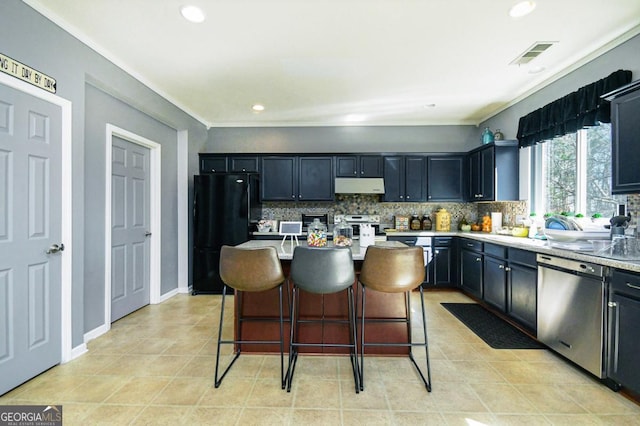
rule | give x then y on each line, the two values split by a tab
359	186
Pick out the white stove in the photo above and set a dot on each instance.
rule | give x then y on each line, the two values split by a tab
355	220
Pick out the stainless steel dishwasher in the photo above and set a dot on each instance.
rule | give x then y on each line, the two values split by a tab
571	321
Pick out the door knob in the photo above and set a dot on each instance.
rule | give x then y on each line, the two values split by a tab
147	234
55	248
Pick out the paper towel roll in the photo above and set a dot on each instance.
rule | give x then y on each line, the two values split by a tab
496	222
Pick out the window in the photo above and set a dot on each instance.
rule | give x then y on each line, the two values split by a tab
572	174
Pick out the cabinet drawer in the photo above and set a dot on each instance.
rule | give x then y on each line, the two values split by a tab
471	245
626	283
410	241
523	257
495	250
442	241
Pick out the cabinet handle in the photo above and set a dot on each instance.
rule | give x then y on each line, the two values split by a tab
633	286
501	266
469	245
401	197
437	251
612	304
478	259
507	269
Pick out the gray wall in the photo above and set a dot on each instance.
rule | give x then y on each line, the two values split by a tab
625	56
32	39
343	139
107	109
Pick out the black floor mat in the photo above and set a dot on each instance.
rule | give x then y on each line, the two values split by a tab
496	332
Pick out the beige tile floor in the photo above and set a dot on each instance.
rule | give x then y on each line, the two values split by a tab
155	367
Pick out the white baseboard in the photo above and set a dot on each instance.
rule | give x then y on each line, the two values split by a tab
168	295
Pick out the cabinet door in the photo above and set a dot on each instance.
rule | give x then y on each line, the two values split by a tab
487	177
625	132
471	272
624	341
316	179
442	267
279	178
494	281
213	164
415	172
371	166
522	295
243	164
444	178
475	174
393	178
347	166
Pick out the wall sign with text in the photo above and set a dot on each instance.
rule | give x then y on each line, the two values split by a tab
26	73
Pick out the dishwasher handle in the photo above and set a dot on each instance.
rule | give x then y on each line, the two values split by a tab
569	265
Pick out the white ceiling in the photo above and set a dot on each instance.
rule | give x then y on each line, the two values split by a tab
315	62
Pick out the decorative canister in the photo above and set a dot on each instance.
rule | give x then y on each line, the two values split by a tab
486	223
343	234
415	224
443	220
497	135
426	223
317	234
487	136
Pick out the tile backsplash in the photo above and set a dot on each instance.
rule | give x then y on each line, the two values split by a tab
371	204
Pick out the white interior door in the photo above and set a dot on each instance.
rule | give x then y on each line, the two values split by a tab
130	227
30	236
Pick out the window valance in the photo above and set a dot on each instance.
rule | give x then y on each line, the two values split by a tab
579	109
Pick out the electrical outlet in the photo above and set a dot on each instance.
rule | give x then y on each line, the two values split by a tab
520	219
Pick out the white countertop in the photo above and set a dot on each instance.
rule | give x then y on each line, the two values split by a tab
535	245
285	251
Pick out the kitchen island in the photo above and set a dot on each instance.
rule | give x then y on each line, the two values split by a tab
315	306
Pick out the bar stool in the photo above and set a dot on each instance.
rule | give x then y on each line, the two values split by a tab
249	270
394	270
322	270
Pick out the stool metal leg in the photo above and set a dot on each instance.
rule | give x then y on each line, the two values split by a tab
293	352
410	344
237	354
239	341
353	342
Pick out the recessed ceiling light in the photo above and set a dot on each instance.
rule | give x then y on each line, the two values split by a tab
192	13
522	8
257	107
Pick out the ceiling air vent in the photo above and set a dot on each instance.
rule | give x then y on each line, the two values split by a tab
533	52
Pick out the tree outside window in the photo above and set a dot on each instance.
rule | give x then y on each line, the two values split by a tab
575	174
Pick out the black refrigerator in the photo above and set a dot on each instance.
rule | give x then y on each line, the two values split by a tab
225	205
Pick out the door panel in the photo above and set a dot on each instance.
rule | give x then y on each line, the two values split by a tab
30	223
130	246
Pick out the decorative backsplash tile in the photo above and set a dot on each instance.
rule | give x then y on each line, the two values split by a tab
371	204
